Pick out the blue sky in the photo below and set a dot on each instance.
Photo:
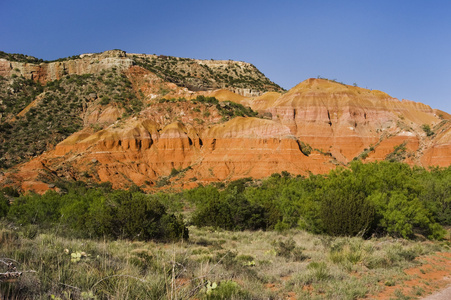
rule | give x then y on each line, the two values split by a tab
402	47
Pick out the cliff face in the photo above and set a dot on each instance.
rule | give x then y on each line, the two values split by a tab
175	142
207	75
144	153
346	120
195	74
86	64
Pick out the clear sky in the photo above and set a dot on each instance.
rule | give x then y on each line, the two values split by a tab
401	47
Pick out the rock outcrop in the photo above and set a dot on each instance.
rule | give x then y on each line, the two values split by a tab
142	152
345	120
86	64
314	127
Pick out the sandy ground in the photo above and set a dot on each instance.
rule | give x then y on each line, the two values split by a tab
434	274
442	295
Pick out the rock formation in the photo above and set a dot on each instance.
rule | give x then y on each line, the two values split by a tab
87	64
314	127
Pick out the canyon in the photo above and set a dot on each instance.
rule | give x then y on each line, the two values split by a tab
180	137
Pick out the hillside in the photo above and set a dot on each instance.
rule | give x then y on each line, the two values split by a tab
159	122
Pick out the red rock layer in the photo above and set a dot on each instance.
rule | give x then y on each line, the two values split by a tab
344	120
439	152
337	121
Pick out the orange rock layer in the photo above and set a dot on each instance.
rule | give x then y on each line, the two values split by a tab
314	127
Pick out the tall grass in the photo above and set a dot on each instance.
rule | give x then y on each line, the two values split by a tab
213	264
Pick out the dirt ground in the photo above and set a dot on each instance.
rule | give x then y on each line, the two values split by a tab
433	275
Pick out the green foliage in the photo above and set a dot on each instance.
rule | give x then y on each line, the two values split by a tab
347	251
346	212
398	154
33	209
193	75
400	213
4	205
174	172
427	129
57	112
20	57
289	250
97	213
436	195
162	182
230	211
305	148
367	199
317	272
229	109
227	289
9	191
105	100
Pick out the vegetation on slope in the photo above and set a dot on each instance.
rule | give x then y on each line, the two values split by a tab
20	58
57	112
198	76
200	108
58	109
31	59
185	72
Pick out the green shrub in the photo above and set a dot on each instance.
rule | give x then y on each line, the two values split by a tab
105	100
230	210
134	216
305	148
346	214
99	213
289	250
427	129
398	155
316	272
227	289
35	209
402	215
436	195
4	206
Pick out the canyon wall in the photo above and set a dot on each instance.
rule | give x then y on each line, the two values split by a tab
179	143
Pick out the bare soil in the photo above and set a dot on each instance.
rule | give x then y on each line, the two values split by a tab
432	275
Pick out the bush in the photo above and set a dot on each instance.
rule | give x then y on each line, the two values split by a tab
231	211
398	155
225	290
306	149
99	213
35	209
174	172
427	129
4	206
136	217
105	100
289	250
346	214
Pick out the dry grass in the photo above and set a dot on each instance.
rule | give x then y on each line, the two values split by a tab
213	264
